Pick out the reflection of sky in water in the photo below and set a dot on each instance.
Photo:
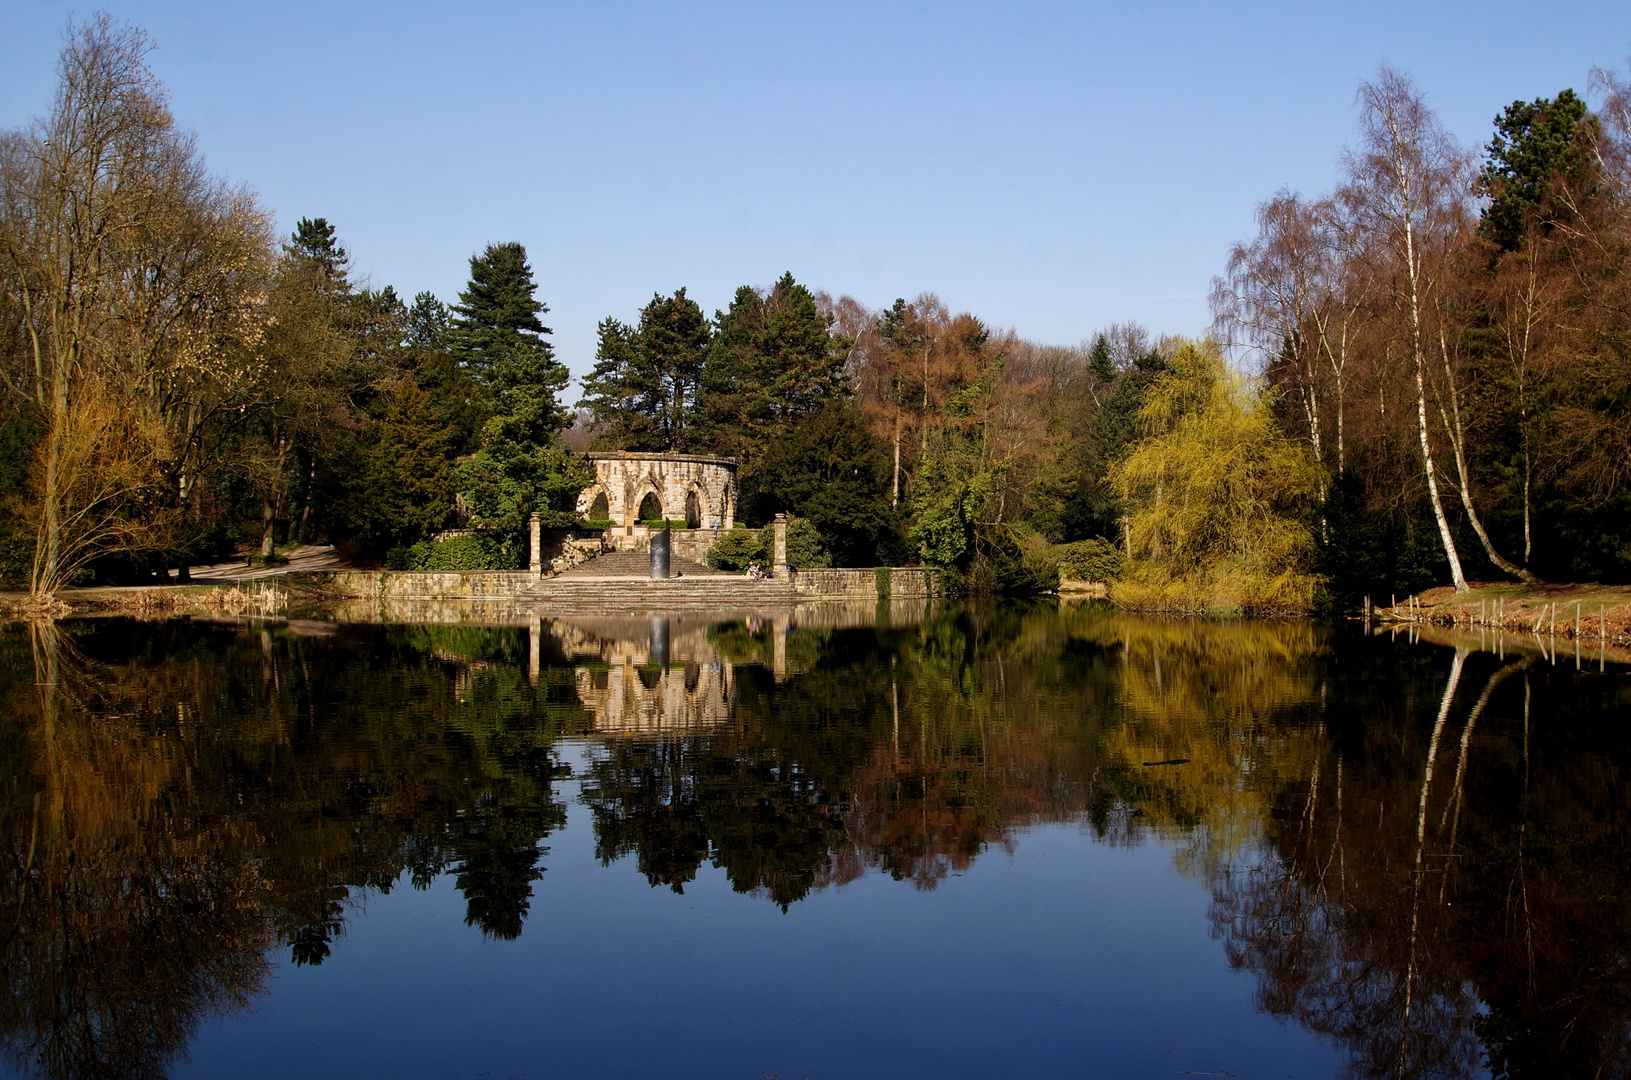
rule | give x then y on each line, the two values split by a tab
1070	958
1012	841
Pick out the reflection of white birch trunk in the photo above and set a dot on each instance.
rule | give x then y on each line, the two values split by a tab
1452	809
1421	842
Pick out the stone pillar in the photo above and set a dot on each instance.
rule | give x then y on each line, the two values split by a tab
537	547
778	561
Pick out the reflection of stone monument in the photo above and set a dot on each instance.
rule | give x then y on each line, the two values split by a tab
647	677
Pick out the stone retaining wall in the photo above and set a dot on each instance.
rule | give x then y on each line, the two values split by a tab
422	584
863	583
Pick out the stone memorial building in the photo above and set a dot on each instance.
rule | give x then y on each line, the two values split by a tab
631	487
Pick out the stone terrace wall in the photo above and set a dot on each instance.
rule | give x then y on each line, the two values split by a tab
905	582
503	584
863	583
422	584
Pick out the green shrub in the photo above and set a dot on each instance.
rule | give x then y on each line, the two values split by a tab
735	549
406	558
459	553
657	523
804	544
467	553
1091	560
882	576
598	525
1012	560
953	583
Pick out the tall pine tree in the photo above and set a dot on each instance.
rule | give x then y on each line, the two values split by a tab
774	359
644	385
461	402
522	466
314	246
1540	148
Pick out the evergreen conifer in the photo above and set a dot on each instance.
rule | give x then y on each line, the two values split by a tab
521	467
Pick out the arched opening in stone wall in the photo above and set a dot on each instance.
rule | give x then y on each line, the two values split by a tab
693	511
650	508
600	509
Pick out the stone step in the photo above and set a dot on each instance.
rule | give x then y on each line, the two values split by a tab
628	597
711	592
634	564
623	588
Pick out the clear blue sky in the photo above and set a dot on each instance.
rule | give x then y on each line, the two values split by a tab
1048	167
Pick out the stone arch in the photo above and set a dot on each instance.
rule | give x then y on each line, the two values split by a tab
593	499
672	479
651	507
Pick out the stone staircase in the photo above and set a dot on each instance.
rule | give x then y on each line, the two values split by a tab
633	564
620	583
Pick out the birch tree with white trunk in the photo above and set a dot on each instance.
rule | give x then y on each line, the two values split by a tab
1406	188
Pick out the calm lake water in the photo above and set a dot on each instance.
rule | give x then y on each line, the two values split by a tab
1009	841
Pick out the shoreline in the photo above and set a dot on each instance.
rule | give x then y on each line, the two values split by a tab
1584	612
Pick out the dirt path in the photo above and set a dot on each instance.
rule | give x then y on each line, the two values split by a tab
304	559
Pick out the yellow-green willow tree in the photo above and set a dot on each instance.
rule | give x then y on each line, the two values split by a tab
1218	496
131	286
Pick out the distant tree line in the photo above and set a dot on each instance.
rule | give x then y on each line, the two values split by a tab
909	434
1420	378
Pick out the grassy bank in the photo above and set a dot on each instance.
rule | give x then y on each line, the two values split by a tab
253	597
1591	613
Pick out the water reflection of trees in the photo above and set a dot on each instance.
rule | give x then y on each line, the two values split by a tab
1414	852
1443	891
911	750
181	799
1430	875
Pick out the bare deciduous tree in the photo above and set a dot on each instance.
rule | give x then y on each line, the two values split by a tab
135	282
1406	188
